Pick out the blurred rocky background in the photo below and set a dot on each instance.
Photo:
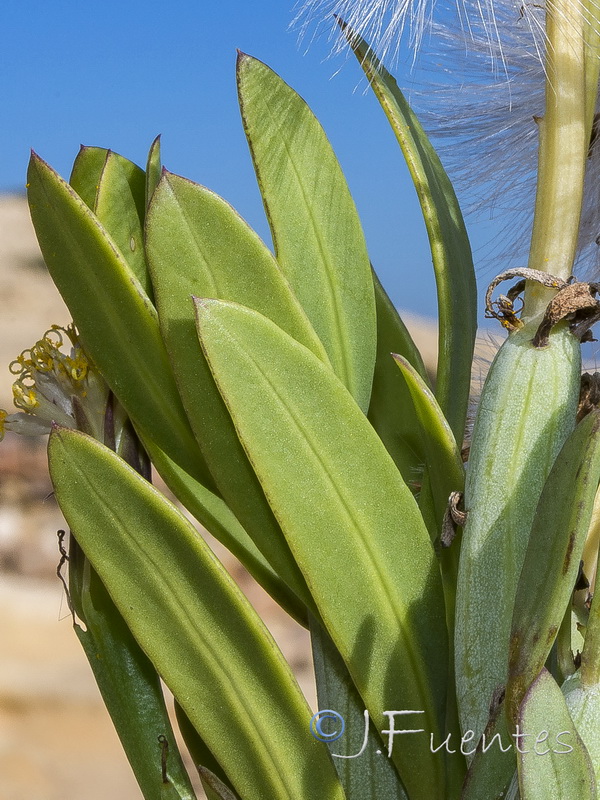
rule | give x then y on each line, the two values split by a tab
56	739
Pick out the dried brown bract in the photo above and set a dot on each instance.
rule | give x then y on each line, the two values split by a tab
503	308
453	518
589	394
576	302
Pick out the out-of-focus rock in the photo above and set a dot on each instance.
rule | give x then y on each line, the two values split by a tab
29	301
56	739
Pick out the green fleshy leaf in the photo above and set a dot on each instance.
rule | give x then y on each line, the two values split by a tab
197	749
370	775
590	656
215	788
199	631
526	412
391	411
212	512
491	770
116	321
197	244
443	459
351	522
553	556
129	685
153	169
450	248
114	189
552	760
127	679
120	207
583	702
318	238
86	172
444	473
207	507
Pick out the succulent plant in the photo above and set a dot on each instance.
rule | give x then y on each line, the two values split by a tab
282	400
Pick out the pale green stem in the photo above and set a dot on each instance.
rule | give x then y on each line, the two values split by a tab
592	60
564	141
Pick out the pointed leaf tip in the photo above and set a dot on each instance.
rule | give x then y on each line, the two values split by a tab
199	307
302	183
201	303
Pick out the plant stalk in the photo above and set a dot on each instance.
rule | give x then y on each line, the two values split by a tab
564	142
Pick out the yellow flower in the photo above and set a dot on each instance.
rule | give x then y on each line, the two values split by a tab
53	386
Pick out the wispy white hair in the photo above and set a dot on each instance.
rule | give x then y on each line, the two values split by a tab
487	136
483	68
384	24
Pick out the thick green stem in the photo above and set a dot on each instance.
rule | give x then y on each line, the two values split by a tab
592	59
564	141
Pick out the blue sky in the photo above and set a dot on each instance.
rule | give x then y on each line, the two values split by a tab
115	74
